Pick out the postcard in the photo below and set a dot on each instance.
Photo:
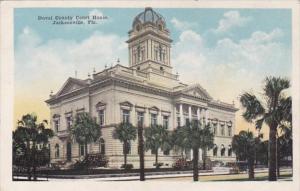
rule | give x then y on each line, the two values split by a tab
146	95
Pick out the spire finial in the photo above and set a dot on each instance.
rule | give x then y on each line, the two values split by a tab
94	70
118	61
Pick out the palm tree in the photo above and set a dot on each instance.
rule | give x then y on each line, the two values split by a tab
195	135
125	132
272	112
26	137
157	137
178	142
244	145
85	130
207	138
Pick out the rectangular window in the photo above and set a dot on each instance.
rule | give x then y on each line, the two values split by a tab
56	125
101	117
166	121
178	121
187	121
215	129
167	152
229	131
126	116
69	122
81	150
140	119
222	130
153	119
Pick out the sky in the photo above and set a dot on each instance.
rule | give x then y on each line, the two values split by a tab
227	51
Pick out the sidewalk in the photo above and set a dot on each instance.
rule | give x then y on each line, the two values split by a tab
135	176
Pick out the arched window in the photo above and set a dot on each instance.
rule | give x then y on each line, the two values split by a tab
138	27
57	151
102	146
229	151
215	150
160	27
222	150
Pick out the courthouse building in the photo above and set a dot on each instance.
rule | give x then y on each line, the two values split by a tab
146	90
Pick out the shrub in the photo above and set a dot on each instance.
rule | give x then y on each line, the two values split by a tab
127	166
180	164
159	164
91	161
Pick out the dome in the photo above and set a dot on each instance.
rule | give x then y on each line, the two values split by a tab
149	16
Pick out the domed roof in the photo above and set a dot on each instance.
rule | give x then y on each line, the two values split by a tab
148	15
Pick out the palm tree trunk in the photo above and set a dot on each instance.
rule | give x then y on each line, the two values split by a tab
34	160
28	162
85	149
125	154
204	158
156	158
272	152
195	164
278	161
141	153
251	168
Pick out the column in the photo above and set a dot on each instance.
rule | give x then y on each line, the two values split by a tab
202	115
174	126
206	116
159	118
146	118
190	113
181	114
198	114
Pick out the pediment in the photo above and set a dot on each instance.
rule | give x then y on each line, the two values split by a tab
126	103
154	108
71	85
196	91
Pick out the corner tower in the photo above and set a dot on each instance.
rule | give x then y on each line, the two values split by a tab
149	42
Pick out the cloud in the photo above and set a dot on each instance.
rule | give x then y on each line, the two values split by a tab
182	25
46	65
95	12
231	19
230	67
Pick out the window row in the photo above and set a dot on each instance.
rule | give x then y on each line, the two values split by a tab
127	150
82	150
223	151
221	130
140	118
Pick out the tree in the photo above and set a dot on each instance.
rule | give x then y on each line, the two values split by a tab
85	129
178	142
272	112
125	132
195	135
26	138
207	139
284	145
157	137
244	145
141	150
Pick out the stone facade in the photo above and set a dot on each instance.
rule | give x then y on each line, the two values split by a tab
146	88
